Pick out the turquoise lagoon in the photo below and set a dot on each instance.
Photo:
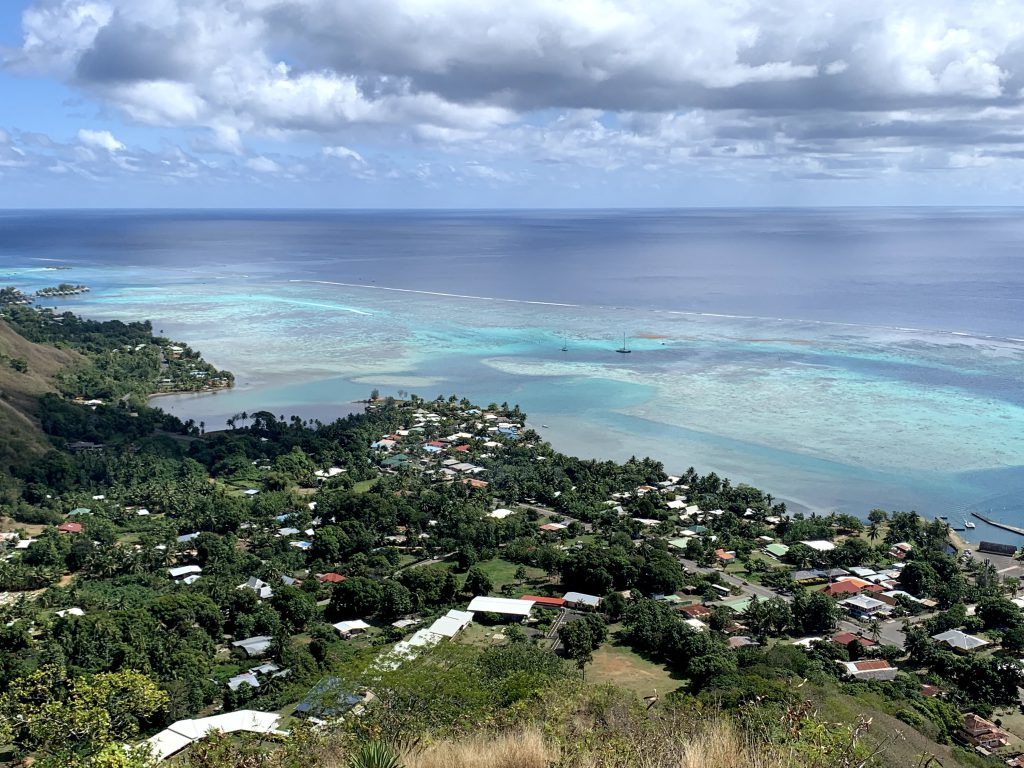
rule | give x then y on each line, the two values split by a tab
899	384
824	415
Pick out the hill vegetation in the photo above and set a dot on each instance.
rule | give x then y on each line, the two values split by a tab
312	573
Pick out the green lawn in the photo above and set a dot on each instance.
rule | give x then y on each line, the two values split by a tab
502	571
364	485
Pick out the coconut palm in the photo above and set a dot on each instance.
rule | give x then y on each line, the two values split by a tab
875	630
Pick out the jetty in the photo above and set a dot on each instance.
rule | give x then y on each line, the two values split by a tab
995	524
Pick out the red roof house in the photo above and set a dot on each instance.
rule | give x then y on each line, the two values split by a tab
842	588
331	578
546	602
979	732
69	528
845	638
462	448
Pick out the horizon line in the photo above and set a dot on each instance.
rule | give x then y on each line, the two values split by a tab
523	209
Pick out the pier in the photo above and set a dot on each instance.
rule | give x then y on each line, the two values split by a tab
994	524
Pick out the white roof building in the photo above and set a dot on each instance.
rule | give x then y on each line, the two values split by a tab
503	605
863	604
254	646
696	624
451	623
500	513
184	570
246	678
960	641
261	588
819	545
70	612
182	733
351	627
581	598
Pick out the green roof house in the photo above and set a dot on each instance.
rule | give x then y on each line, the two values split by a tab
777	550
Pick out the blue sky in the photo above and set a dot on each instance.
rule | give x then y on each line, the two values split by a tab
581	103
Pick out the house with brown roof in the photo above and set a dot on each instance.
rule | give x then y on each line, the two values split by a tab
696	611
979	732
845	638
331	578
869	669
843	588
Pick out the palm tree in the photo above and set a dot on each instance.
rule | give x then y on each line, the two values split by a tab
874	531
875	630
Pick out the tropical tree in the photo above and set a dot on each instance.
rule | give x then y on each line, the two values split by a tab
477	582
70	721
581	638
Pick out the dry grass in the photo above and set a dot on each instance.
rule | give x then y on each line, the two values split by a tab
20	434
521	749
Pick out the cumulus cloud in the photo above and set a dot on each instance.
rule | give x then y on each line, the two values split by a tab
99	140
827	88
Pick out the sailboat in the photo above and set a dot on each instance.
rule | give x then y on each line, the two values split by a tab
565	344
624	349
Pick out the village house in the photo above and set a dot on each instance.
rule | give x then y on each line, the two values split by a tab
960	641
261	588
545	602
352	627
845	638
979	732
254	646
582	601
869	669
863	607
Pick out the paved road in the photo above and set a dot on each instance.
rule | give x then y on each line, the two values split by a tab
728	578
891	630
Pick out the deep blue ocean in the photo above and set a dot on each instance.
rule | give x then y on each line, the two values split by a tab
838	358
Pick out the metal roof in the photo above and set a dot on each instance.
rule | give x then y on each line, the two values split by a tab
502	605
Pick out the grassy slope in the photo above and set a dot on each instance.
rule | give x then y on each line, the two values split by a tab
20	435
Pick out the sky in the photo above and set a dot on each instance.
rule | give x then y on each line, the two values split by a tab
530	104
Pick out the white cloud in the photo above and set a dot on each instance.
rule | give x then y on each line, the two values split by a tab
262	165
344	153
99	140
830	87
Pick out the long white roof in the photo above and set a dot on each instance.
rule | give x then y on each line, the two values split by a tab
347	626
182	733
451	623
503	605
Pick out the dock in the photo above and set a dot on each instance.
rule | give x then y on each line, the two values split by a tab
995	524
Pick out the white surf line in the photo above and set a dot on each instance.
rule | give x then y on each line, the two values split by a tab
435	293
833	323
840	324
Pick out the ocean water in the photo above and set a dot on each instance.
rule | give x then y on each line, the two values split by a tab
840	359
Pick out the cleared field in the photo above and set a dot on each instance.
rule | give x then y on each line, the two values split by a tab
619	665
